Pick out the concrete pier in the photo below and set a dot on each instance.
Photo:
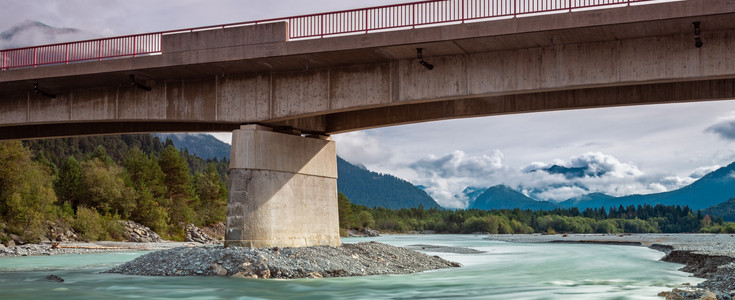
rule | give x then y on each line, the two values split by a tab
283	190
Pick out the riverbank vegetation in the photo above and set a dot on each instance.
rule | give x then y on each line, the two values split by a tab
77	183
631	219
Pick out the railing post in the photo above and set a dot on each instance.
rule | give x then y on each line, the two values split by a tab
462	6
367	20
34	56
66	55
99	50
321	20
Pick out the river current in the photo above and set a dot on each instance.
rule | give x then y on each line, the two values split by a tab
504	271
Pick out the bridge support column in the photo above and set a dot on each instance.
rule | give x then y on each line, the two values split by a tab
282	190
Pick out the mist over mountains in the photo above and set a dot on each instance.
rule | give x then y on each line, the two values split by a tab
33	33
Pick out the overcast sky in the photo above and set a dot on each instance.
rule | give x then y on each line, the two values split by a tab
640	149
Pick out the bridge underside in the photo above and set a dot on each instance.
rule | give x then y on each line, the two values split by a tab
331	123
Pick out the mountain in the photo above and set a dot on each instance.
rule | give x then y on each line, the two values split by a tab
372	189
726	210
359	184
713	188
573	172
592	200
202	145
504	197
31	33
471	193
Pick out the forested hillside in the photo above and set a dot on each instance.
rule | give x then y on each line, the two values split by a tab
87	183
379	190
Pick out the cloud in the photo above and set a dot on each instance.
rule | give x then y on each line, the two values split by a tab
604	164
561	193
445	177
458	164
361	148
725	129
701	171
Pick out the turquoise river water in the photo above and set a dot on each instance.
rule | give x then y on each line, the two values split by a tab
505	271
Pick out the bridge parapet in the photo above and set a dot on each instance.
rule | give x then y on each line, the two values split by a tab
227	37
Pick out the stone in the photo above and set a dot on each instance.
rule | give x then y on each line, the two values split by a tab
708	295
195	234
138	233
53	277
219	269
371	232
17	239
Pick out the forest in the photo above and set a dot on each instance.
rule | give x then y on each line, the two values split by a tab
87	184
631	219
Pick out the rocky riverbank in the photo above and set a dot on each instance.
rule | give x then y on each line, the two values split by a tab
137	238
708	256
360	259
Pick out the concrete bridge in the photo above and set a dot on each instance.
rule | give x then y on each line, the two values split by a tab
283	89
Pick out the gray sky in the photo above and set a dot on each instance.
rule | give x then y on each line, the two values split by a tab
641	149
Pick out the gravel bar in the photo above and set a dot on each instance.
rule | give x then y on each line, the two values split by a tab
85	248
360	259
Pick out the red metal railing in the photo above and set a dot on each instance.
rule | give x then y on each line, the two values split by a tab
364	20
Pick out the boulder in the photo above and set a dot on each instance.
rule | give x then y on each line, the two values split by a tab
138	233
195	234
216	231
371	232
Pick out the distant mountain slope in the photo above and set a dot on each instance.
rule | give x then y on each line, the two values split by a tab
202	145
713	188
726	210
593	200
371	189
359	184
31	33
504	197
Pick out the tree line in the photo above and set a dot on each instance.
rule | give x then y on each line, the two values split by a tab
88	184
631	219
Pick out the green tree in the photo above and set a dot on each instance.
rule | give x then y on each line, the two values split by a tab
212	195
69	184
365	219
346	216
106	188
179	187
147	179
26	192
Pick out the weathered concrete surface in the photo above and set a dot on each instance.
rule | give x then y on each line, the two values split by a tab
283	190
252	75
226	37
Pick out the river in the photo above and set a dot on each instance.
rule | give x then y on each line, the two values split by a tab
504	271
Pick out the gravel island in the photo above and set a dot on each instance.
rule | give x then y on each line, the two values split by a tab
360	259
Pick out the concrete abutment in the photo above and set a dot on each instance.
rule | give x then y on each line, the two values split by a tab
282	190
